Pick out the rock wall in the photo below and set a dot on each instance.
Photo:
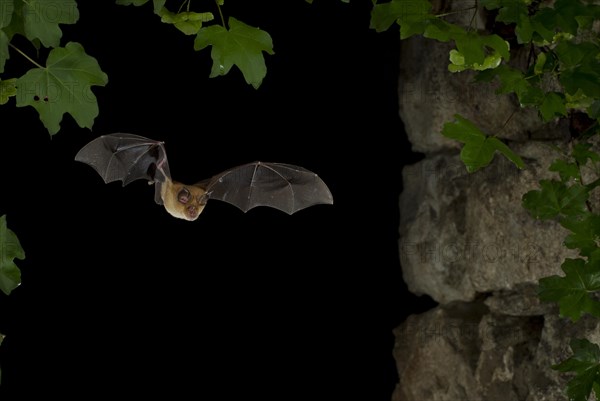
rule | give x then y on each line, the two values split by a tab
466	241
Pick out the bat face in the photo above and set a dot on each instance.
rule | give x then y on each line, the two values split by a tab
183	201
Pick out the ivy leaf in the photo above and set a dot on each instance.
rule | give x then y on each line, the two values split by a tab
7	89
242	45
573	291
585	233
42	17
158	4
10	249
187	22
585	363
479	149
63	86
556	198
553	105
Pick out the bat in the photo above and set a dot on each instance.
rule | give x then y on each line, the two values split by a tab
129	157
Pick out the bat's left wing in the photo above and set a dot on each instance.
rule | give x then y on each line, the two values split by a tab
285	187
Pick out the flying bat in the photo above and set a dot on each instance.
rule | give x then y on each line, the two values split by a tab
128	157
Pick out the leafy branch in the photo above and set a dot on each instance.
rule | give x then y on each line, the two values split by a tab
233	42
63	85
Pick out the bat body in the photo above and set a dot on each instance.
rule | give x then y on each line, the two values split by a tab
128	157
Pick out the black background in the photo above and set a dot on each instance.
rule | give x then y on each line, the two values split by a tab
119	298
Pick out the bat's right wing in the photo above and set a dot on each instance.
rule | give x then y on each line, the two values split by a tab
127	157
281	186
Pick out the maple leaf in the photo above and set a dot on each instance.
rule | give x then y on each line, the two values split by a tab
556	198
573	292
479	148
63	86
42	17
585	363
241	45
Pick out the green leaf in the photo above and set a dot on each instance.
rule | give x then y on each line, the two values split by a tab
574	80
411	15
4	55
479	52
158	4
42	17
513	12
585	363
579	66
553	105
572	54
63	86
579	100
242	45
471	47
511	80
556	198
10	249
16	25
565	170
581	153
479	149
539	63
457	61
7	89
573	291
594	110
441	30
501	147
187	22
585	233
7	8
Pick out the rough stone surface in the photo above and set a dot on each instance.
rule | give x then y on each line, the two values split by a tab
467	352
463	234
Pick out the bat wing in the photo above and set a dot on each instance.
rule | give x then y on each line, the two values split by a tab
127	157
285	187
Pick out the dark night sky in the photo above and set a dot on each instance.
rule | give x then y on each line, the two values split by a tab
120	298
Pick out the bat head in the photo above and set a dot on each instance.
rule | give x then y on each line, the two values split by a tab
183	201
